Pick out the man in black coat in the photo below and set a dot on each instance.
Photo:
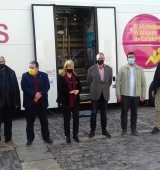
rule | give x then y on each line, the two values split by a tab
156	94
9	99
35	86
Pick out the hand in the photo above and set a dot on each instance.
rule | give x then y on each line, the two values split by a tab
76	92
142	99
119	98
38	95
17	106
71	92
35	99
153	95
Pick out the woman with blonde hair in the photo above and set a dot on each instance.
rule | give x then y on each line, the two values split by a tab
69	88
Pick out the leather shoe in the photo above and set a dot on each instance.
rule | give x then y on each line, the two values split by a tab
29	143
68	140
124	133
48	141
134	133
155	130
92	133
75	137
105	133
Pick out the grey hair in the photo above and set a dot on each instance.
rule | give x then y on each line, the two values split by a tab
3	58
99	54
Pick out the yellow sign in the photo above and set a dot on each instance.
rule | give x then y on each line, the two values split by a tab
155	58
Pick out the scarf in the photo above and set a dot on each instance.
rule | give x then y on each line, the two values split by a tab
71	86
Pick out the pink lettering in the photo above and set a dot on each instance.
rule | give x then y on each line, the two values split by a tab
5	35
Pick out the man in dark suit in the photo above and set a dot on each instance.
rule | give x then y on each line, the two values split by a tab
35	86
9	99
99	79
156	93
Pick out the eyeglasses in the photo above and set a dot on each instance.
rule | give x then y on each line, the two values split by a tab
3	62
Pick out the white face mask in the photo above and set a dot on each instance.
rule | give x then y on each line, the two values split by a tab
131	60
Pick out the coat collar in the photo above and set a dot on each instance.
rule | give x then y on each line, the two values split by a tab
128	66
105	66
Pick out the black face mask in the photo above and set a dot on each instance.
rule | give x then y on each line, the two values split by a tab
70	70
100	62
2	66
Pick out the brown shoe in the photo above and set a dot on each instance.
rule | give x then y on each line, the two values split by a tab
11	144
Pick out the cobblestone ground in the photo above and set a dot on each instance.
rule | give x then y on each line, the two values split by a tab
100	153
9	160
145	122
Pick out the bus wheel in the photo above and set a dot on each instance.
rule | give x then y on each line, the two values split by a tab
151	99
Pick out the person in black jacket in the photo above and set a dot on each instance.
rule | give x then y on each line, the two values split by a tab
9	99
69	88
35	86
156	94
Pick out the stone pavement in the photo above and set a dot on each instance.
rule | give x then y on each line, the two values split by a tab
99	153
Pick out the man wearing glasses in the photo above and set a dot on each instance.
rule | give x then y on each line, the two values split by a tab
9	99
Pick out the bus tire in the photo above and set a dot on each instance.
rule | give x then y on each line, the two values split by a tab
151	99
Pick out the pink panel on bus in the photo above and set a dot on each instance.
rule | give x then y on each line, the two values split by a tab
142	36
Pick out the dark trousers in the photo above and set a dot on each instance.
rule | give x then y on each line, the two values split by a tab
67	116
6	114
132	103
30	118
103	108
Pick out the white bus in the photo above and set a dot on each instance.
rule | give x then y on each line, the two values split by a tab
53	31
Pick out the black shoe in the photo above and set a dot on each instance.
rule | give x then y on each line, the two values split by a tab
75	137
134	133
48	141
68	140
92	133
105	133
124	133
29	143
155	130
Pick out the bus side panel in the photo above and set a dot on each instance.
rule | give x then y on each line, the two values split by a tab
16	40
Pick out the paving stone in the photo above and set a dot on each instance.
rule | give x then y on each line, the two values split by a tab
49	164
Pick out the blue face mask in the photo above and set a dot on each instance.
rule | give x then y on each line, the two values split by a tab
131	60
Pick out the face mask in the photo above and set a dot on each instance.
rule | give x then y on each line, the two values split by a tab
32	72
2	66
69	70
100	62
131	61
